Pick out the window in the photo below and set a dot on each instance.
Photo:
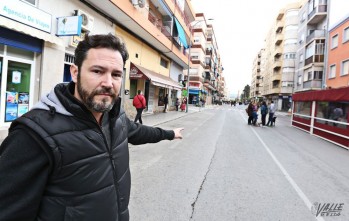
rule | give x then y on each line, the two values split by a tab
163	63
305	77
290	41
334	111
345	68
299	82
319	48
310	75
161	97
334	42
318	75
332	71
33	2
302	107
346	35
301	58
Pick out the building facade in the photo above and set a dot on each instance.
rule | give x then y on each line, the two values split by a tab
38	42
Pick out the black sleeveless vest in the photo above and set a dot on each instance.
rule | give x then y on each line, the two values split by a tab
90	180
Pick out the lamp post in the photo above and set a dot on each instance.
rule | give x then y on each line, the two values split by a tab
189	48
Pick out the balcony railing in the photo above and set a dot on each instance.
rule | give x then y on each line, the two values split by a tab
319	8
314	59
315	34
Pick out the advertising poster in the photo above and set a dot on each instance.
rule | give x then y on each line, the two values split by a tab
22	109
11	106
23	98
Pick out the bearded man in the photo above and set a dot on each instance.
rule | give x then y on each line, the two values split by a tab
68	158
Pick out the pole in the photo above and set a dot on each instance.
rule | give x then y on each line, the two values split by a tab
186	109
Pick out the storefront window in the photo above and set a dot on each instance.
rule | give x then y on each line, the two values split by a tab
336	111
17	90
161	97
302	108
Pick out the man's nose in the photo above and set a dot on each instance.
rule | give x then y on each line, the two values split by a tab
107	80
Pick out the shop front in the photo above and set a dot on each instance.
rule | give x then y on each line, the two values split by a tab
17	74
155	87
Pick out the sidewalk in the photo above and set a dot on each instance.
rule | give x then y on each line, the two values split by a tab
159	118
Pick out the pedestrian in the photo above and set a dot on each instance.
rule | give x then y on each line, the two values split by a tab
264	112
249	111
183	104
68	158
166	103
139	104
177	104
254	113
271	110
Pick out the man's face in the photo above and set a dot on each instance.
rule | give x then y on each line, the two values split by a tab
99	80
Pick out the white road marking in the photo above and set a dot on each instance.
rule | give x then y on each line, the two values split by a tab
283	170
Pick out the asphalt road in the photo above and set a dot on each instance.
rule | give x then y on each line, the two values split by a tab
224	169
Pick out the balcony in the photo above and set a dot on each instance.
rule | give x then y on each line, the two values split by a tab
317	15
315	34
276	77
277	65
278	39
312	84
314	59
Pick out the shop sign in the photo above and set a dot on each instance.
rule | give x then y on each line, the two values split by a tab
134	73
26	14
69	26
76	39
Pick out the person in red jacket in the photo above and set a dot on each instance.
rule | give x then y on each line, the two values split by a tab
139	104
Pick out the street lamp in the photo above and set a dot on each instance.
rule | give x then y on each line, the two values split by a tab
189	47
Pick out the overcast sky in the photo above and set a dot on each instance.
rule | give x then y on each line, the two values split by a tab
240	28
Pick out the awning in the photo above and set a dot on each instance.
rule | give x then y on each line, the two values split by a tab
339	94
181	34
16	26
139	72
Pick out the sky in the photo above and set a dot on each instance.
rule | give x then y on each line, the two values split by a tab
241	28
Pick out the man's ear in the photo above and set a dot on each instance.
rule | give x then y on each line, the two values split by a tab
74	70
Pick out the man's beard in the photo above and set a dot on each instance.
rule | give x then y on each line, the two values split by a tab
88	98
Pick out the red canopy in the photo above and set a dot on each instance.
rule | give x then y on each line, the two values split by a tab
339	94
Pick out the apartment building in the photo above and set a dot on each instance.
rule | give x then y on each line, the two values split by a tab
256	82
279	58
338	55
312	40
205	74
34	32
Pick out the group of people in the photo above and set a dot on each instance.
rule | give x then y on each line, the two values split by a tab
252	112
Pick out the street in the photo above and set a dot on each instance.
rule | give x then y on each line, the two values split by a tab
224	169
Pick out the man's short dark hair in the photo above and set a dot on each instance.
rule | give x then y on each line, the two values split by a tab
139	91
99	41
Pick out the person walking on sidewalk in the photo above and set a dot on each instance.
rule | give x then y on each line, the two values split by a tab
68	157
271	110
166	103
139	104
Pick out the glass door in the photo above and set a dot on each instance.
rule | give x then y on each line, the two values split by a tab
17	90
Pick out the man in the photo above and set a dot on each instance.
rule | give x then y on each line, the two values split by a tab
139	104
166	102
272	110
68	158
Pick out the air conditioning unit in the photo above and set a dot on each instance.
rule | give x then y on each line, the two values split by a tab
140	3
87	20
